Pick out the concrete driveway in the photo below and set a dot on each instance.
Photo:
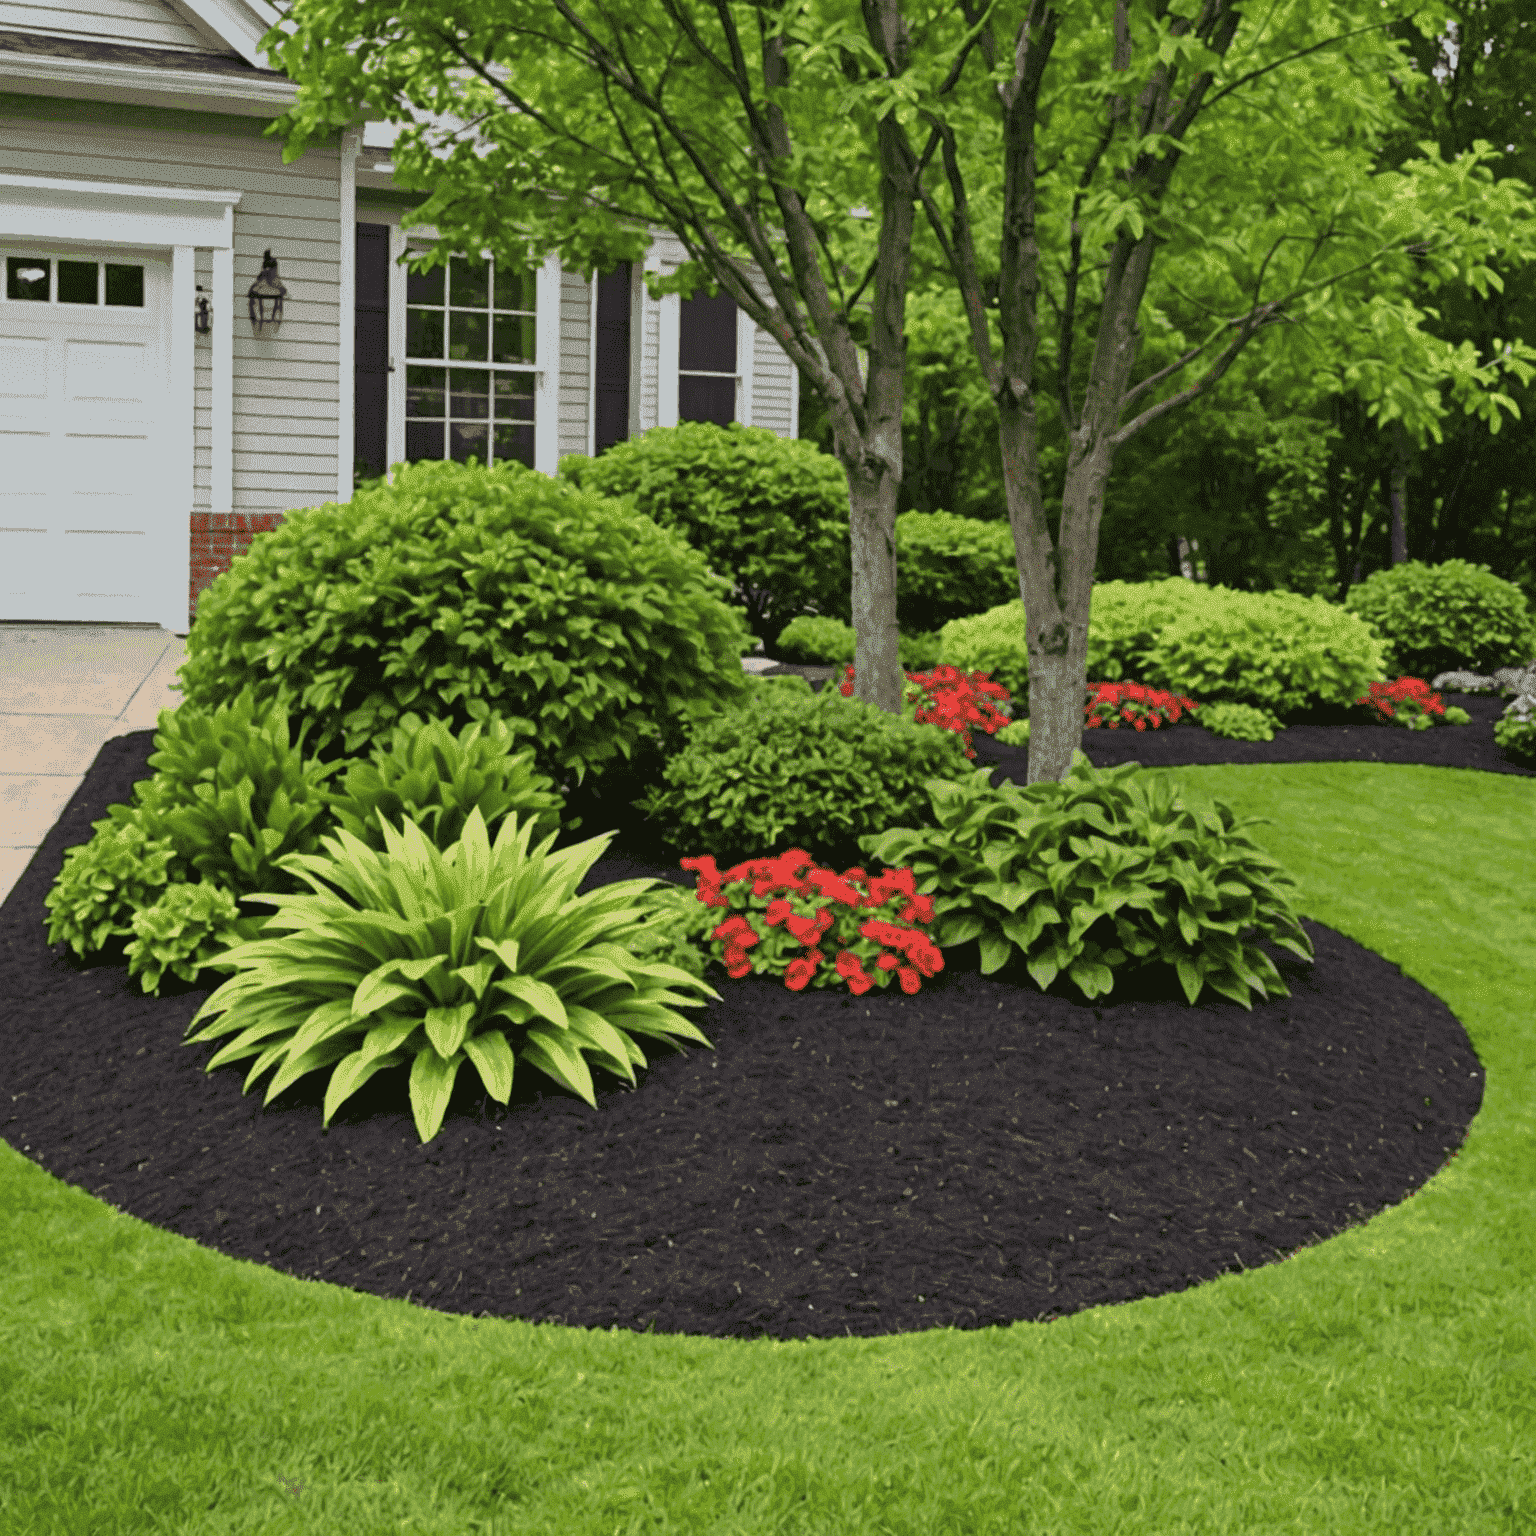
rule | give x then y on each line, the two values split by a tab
64	689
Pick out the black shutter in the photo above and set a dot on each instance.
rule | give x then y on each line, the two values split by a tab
707	343
611	379
370	356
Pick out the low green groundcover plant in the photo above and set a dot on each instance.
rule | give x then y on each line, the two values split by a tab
481	953
1515	730
1098	870
1239	722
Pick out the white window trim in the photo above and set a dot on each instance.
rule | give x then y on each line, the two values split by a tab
746	360
346	422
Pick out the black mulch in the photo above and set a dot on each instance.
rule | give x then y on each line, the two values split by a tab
973	1155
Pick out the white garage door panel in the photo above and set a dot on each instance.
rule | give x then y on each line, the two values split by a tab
87	531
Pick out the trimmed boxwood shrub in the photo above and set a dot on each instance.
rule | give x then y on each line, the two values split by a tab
461	593
783	770
1442	618
770	513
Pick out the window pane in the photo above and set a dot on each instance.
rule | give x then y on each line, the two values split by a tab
424	287
424	389
470	284
466	440
77	282
26	277
471	395
514	339
423	333
466	337
514	442
515	289
514	397
125	286
707	334
706	399
423	440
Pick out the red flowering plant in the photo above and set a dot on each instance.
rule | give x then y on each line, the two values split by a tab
948	697
792	911
1138	706
1410	701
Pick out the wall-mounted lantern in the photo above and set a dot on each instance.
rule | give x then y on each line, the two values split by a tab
266	295
202	313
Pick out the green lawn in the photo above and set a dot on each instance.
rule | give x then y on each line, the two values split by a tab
1384	1381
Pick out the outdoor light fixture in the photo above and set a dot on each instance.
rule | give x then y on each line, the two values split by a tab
202	313
266	295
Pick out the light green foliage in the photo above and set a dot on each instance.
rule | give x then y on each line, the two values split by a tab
674	932
1237	722
1086	874
769	512
1515	729
1275	651
1014	734
481	953
1455	715
1448	617
1124	619
465	593
778	772
123	868
830	642
427	775
189	926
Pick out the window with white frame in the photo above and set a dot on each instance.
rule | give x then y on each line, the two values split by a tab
470	350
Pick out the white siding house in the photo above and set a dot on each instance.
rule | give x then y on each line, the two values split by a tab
148	429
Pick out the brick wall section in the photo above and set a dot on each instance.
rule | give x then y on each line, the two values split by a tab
217	537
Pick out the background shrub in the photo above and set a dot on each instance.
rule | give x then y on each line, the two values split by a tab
1436	618
1273	651
466	594
830	642
782	771
769	513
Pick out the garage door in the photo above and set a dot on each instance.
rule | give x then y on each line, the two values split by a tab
84	396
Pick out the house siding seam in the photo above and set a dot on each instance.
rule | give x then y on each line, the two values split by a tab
148	23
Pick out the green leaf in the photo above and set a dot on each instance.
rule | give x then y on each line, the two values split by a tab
431	1089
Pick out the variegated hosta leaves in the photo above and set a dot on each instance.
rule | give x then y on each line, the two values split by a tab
479	953
1170	875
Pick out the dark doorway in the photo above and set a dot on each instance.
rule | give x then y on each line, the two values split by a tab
370	356
706	360
611	376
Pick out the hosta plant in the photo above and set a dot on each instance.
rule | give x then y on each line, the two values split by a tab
481	953
1098	870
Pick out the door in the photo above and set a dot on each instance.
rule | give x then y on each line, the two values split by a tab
88	523
610	383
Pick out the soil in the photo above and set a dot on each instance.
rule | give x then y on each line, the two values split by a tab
976	1154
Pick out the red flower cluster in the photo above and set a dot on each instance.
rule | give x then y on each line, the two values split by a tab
838	901
1410	694
951	698
1138	706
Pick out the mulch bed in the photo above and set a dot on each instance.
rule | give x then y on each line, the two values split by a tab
976	1154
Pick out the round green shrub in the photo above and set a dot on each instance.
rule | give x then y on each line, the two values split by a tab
1274	651
769	513
829	642
781	771
467	594
1441	618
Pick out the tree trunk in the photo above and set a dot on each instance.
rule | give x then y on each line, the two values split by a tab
1186	568
1401	454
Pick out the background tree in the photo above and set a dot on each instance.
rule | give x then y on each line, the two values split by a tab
747	131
